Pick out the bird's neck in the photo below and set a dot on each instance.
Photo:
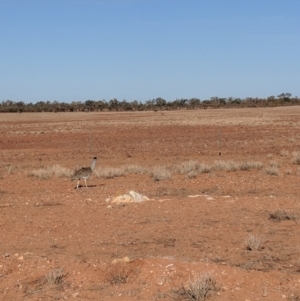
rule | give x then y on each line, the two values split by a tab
93	165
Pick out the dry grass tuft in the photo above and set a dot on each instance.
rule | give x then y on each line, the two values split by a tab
39	286
296	157
10	169
226	165
288	171
274	163
281	215
254	242
109	172
272	170
248	165
284	153
135	169
294	297
120	273
161	173
187	167
205	168
199	289
192	174
56	276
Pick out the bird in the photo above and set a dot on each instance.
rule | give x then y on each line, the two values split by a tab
84	172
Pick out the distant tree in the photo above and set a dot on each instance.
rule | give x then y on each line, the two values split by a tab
194	103
160	102
113	104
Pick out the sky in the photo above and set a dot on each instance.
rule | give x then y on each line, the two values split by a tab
75	50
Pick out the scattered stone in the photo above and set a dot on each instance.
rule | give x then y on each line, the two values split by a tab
121	260
161	281
130	197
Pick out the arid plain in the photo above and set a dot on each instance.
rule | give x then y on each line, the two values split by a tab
224	206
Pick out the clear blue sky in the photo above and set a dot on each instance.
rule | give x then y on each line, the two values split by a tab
74	50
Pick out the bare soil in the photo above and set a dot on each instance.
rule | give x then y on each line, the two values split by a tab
58	243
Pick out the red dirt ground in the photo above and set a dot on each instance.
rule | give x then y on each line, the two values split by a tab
58	243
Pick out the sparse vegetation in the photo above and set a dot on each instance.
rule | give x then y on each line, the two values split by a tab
190	168
199	289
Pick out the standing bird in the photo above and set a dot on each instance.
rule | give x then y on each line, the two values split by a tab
84	172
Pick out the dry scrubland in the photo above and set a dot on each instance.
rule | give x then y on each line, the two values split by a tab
222	222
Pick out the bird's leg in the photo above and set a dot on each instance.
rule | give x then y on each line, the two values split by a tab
85	183
78	183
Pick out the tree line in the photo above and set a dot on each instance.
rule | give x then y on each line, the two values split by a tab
157	104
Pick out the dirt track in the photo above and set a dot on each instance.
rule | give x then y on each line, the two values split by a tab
192	224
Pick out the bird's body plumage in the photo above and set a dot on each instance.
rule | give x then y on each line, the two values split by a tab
84	172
